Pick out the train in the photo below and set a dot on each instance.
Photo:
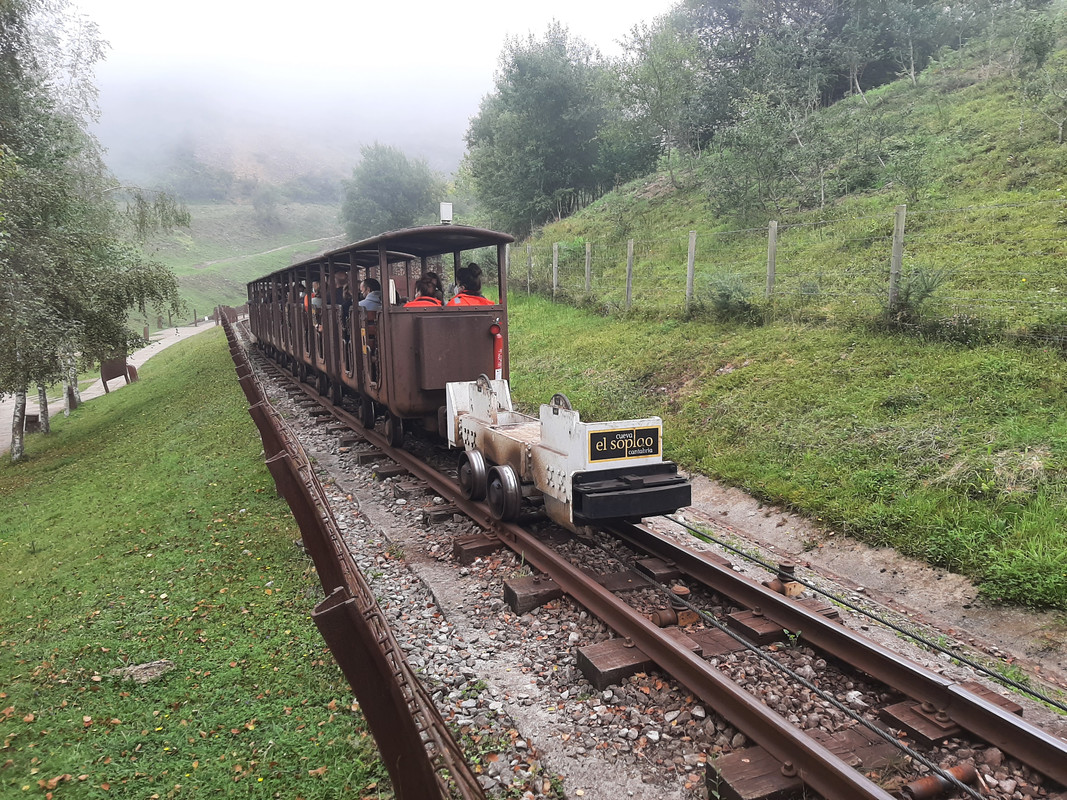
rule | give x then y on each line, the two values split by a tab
441	366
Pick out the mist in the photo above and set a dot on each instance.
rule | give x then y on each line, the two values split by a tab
269	93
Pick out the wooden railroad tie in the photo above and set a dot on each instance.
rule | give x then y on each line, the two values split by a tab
409	489
612	661
926	724
466	549
370	457
389	470
754	774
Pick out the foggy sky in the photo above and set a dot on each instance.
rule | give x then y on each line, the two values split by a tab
318	76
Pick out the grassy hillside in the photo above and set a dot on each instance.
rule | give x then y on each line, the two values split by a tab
228	244
938	429
147	527
981	174
955	455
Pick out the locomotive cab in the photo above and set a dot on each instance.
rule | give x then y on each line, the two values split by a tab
585	472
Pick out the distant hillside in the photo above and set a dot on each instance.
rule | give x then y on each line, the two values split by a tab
228	244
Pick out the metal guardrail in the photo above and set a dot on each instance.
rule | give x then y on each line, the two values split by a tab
423	759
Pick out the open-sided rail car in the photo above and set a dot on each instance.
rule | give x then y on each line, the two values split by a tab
395	361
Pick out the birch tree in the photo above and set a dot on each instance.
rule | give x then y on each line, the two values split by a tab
68	275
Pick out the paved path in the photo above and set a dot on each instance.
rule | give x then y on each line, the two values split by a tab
159	341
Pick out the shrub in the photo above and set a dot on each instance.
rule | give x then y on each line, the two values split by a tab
729	300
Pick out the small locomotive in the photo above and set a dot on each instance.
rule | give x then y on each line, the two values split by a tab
586	472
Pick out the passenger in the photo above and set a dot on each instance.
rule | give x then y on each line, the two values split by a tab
426	297
470	287
346	307
372	295
438	291
340	282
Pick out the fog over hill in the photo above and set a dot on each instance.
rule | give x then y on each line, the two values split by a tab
260	132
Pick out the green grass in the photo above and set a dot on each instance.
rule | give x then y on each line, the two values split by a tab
147	527
954	455
947	439
224	248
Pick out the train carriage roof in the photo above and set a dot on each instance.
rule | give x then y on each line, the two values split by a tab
430	240
405	245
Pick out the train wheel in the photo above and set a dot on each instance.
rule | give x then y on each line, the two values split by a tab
504	493
394	430
366	413
472	474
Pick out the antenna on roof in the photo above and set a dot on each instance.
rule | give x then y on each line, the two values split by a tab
446	213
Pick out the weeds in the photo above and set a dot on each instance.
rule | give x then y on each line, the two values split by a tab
729	301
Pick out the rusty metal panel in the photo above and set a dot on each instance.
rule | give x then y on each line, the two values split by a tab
452	345
399	739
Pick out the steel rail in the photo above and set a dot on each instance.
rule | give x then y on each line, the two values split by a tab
990	722
815	765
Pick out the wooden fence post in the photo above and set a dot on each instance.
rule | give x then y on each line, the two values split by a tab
588	268
772	256
507	261
629	272
689	270
555	268
898	254
529	266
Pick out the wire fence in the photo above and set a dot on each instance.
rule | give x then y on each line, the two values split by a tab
962	273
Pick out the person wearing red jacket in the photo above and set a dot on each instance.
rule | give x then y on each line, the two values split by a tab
469	279
426	297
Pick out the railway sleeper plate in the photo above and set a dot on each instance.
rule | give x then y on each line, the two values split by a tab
754	774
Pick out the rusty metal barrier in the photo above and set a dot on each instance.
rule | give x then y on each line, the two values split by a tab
423	758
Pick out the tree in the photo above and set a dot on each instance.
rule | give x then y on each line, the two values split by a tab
388	191
68	276
1045	89
548	140
658	77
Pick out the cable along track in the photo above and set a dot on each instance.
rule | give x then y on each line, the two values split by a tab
798	758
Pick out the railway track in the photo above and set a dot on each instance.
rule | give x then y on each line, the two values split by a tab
933	709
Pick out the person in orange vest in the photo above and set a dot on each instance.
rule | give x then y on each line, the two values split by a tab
426	297
469	279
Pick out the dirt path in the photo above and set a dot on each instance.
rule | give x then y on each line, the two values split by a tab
161	340
207	264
